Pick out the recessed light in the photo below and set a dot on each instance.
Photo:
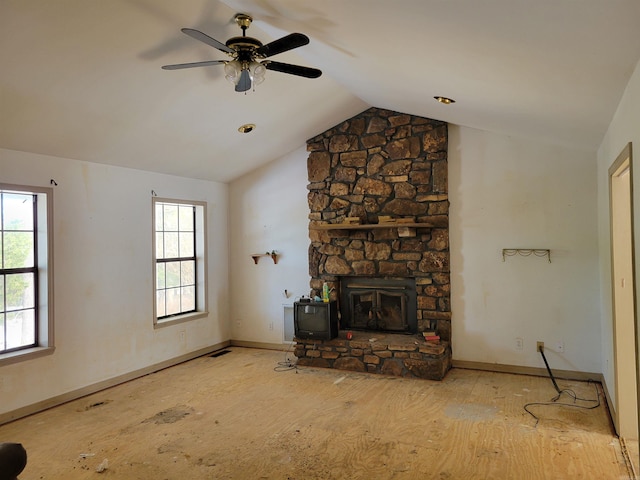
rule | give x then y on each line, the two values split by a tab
445	100
247	127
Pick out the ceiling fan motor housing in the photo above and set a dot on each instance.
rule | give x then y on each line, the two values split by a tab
245	48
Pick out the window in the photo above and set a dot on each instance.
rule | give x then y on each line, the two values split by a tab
179	260
26	310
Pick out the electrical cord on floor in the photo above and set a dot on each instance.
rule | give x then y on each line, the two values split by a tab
287	364
569	392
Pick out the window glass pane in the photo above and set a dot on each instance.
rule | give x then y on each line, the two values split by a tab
18	249
20	329
17	211
186	218
173	274
173	301
19	236
159	245
188	272
171	245
171	217
2	344
188	298
161	275
20	291
159	216
160	306
175	239
186	244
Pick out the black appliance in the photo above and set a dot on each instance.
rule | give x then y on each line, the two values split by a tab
315	320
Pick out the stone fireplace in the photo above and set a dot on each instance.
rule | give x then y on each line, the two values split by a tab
379	208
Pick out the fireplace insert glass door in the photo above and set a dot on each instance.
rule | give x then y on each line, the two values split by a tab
378	304
379	310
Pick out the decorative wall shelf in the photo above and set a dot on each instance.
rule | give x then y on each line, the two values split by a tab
273	255
526	252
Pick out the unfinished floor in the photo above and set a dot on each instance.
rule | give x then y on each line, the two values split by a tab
245	415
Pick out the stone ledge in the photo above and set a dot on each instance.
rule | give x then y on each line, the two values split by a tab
388	354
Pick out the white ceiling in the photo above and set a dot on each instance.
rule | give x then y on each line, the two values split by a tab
81	79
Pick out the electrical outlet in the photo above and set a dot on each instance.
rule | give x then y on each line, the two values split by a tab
182	335
270	325
560	346
539	346
519	343
238	323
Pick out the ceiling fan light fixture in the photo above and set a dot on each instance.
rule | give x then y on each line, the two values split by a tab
444	100
232	70
257	71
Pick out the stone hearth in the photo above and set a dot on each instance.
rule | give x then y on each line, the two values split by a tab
391	354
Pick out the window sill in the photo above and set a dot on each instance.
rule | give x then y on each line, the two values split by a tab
22	355
165	322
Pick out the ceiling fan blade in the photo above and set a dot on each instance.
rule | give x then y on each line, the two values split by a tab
289	42
299	70
244	83
178	66
203	37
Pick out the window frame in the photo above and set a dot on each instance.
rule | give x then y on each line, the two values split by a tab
44	294
200	239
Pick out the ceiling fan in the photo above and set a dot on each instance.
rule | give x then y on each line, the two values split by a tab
247	66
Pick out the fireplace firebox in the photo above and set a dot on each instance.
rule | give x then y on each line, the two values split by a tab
378	304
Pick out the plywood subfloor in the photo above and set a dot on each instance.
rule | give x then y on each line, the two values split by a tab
236	417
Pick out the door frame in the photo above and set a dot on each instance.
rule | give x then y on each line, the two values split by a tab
622	163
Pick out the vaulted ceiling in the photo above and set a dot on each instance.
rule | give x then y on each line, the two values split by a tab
82	79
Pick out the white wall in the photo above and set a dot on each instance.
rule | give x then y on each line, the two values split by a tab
624	128
103	277
269	211
505	193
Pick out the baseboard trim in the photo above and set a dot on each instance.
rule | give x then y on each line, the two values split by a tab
469	365
627	458
521	370
266	346
610	406
111	382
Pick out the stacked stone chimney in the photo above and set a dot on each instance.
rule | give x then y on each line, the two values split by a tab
383	163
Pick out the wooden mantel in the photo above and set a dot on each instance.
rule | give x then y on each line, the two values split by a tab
439	221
